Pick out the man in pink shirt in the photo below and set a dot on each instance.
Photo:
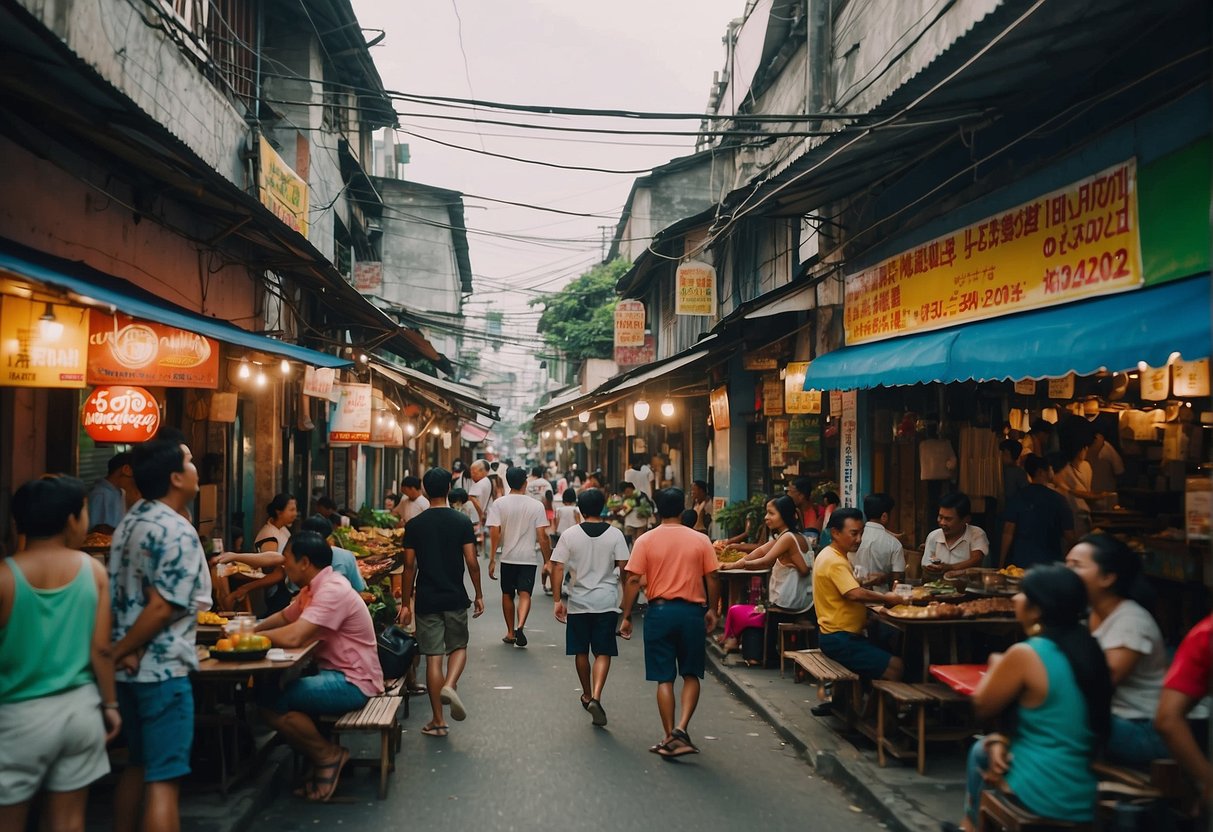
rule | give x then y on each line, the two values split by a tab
676	563
328	610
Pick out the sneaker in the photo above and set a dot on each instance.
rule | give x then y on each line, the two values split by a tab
519	638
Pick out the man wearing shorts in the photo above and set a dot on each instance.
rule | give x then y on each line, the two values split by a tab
675	563
159	580
440	544
516	524
842	612
328	610
595	553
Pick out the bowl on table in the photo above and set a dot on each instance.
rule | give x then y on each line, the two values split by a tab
239	655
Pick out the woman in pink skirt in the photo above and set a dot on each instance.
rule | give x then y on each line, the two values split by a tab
789	554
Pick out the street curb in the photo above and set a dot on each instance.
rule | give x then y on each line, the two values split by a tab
273	780
855	774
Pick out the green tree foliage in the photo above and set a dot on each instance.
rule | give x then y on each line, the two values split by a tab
579	320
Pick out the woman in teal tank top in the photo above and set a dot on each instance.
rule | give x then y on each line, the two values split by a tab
1060	725
57	694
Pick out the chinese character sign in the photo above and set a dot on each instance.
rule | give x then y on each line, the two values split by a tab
42	344
1074	243
848	462
695	289
282	190
629	324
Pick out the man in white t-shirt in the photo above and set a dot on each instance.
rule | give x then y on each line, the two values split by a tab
880	553
955	544
412	501
480	491
536	485
595	553
516	523
639	476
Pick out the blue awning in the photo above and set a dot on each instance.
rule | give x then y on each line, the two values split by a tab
96	288
1106	334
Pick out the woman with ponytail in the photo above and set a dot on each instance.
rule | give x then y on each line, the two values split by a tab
1061	724
1131	641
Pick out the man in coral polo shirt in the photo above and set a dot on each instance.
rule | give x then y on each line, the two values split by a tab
328	610
675	562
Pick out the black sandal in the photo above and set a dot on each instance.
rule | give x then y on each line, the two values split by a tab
678	745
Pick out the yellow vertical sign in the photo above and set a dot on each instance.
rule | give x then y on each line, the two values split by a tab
695	289
42	344
282	190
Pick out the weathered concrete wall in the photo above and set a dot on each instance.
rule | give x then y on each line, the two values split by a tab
151	70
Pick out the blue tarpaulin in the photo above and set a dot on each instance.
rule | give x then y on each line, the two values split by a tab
1110	333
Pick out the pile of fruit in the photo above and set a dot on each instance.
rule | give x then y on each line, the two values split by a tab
365	543
243	643
208	617
1011	571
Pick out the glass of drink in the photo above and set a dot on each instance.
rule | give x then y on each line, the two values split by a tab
904	591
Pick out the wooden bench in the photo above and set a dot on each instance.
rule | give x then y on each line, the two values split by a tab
826	671
917	696
381	714
997	811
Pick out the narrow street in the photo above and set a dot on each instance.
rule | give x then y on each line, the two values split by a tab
528	758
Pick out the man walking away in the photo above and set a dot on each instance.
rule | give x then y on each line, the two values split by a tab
675	562
439	545
536	485
595	553
1038	526
516	523
158	573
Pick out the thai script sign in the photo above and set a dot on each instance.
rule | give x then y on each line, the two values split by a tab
120	414
1076	242
629	324
282	190
351	420
42	344
122	349
695	289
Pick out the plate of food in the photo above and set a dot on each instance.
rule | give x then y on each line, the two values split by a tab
245	648
730	555
933	611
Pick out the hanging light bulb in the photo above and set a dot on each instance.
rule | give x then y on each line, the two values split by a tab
435	430
410	428
262	379
583	416
547	434
49	329
667	408
244	372
364	358
641	409
285	366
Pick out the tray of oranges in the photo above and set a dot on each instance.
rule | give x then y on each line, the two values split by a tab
248	647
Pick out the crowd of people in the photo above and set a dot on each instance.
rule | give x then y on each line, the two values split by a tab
1091	681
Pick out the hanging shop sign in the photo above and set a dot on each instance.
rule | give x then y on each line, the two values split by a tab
122	349
695	289
718	402
777	442
120	414
765	358
318	382
1155	383
42	344
1026	387
804	438
1190	378
635	356
772	395
281	189
629	324
795	398
1076	242
368	276
848	452
351	419
1062	388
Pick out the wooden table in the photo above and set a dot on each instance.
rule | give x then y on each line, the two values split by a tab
924	627
962	678
734	589
212	675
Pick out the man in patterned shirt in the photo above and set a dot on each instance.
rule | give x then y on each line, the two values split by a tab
158	575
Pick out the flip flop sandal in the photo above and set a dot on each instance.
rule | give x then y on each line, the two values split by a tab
596	712
436	730
519	638
678	745
417	690
507	640
659	748
585	703
332	780
449	697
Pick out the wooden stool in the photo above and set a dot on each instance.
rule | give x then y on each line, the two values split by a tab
379	715
825	671
918	696
791	627
997	811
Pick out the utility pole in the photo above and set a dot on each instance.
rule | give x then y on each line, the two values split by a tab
605	229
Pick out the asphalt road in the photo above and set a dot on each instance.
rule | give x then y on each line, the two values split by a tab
527	757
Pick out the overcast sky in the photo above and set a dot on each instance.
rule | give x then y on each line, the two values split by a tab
651	55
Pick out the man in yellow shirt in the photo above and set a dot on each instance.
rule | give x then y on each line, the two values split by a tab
842	614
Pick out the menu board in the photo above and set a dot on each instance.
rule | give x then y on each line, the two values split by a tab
804	438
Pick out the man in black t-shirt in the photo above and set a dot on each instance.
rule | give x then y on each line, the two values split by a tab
1038	526
439	544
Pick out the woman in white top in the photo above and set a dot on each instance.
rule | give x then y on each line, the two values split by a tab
1073	480
272	538
788	554
1131	641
